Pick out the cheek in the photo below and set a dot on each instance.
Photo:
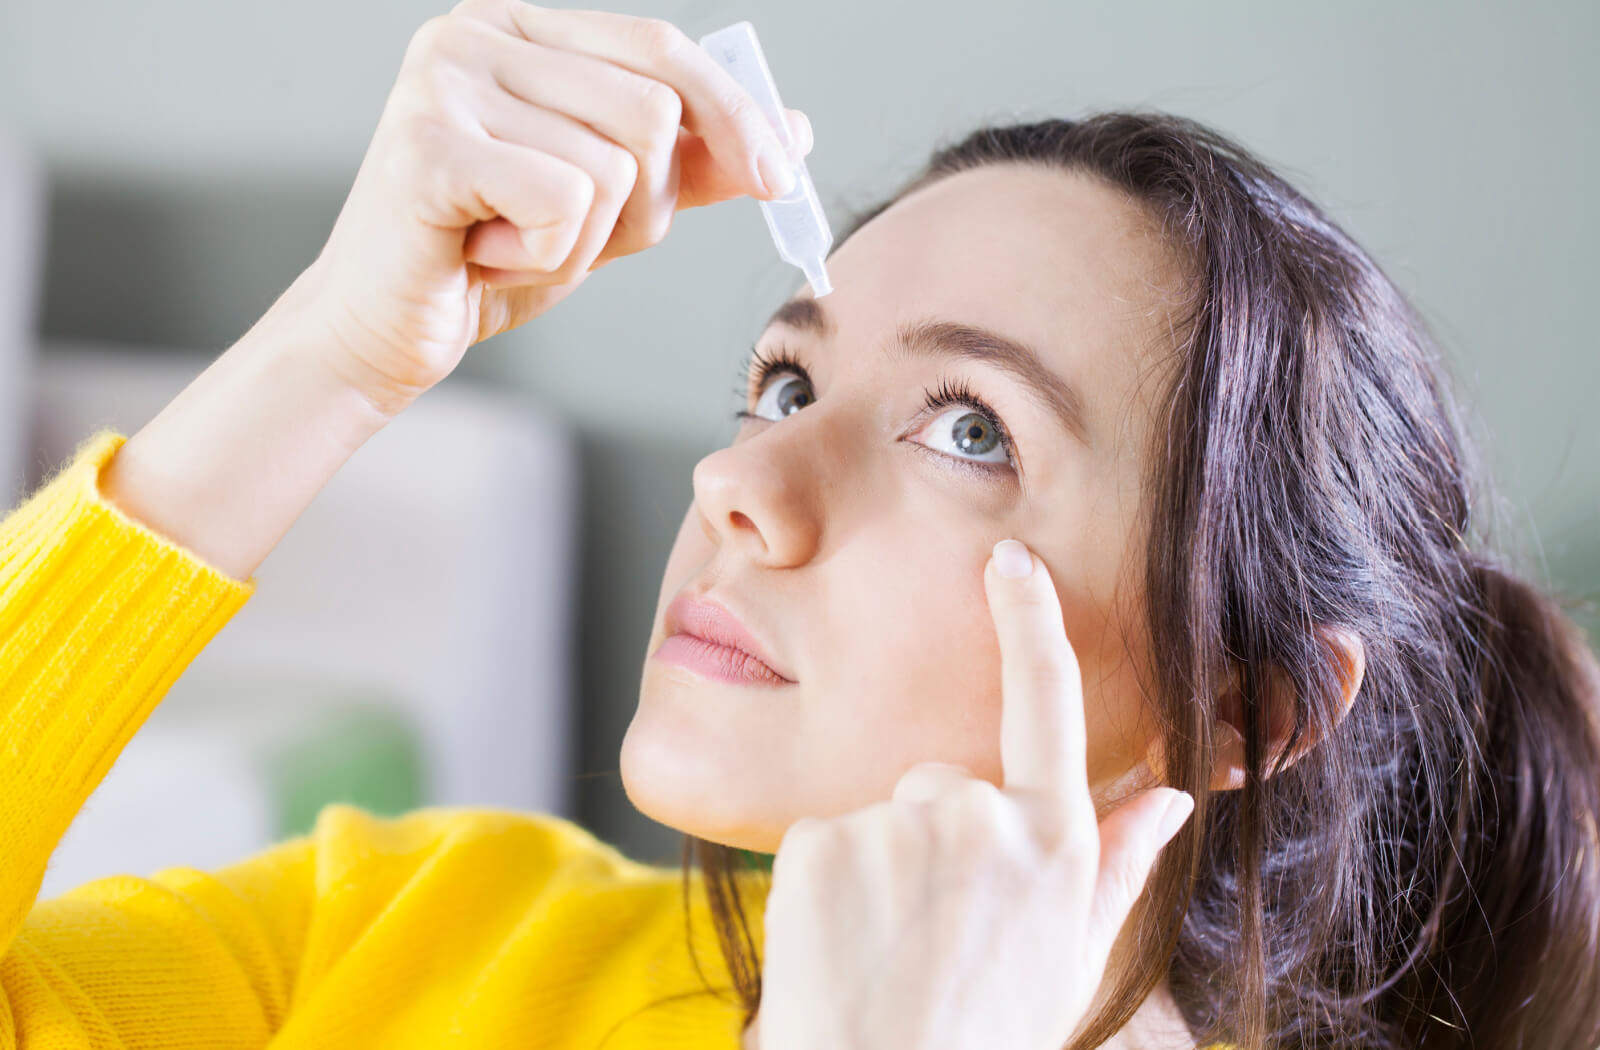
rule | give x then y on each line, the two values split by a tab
917	674
918	668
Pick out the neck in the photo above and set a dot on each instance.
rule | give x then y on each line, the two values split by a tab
1158	1024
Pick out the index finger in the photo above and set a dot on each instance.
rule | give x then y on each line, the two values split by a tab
1042	747
715	107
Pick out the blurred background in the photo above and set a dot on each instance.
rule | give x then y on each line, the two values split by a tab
462	617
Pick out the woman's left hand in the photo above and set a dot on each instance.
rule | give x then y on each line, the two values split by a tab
960	915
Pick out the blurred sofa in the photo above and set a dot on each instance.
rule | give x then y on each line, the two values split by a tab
410	640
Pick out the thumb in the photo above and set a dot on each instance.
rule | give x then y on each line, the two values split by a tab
1130	840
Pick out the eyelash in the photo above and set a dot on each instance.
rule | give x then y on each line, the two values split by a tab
762	366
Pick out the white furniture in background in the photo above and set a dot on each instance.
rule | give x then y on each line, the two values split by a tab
425	595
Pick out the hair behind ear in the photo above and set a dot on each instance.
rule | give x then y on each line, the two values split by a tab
1286	736
1517	942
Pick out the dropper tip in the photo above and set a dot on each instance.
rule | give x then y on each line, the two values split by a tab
817	274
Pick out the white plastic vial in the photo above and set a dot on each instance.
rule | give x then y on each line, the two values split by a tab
798	227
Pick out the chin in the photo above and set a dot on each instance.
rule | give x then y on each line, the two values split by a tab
670	786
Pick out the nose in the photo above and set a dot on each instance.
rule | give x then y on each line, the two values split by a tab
763	496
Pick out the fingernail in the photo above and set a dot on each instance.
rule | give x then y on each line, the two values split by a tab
1011	558
776	171
1177	811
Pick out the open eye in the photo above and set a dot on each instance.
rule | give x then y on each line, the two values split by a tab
966	433
965	429
785	394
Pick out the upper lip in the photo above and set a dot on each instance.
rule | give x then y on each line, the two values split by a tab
705	618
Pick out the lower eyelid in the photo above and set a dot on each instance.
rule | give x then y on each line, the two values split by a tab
994	421
986	470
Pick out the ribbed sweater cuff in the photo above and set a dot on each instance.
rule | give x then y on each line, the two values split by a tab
99	615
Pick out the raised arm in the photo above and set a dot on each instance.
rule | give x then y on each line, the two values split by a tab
238	455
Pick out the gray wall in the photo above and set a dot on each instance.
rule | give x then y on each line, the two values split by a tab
199	152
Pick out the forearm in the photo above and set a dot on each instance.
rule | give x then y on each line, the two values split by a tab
238	455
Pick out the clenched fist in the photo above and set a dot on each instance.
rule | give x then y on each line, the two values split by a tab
520	148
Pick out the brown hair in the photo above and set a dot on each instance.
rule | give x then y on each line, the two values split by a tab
1429	874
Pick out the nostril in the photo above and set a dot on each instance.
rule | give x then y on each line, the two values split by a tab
741	520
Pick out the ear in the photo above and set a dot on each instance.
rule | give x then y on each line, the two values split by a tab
1228	768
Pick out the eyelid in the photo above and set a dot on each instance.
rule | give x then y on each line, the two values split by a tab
762	366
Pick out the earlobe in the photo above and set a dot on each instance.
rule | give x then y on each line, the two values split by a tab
1228	769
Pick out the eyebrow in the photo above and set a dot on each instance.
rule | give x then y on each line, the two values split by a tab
954	340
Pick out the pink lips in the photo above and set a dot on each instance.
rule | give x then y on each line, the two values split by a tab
709	640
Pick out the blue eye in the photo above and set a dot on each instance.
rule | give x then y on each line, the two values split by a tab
784	396
967	434
968	431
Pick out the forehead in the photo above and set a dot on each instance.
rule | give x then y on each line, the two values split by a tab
1059	260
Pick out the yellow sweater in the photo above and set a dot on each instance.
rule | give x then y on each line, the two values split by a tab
443	928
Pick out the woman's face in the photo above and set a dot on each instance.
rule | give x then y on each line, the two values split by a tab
983	370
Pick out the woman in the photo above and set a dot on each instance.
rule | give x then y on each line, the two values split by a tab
1108	381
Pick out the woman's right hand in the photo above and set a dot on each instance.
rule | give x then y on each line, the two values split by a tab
520	148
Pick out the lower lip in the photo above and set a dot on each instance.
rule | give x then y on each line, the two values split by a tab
721	662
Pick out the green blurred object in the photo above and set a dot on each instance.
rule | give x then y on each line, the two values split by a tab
367	756
760	861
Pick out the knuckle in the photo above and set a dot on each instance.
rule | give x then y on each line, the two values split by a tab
661	141
618	169
980	793
657	37
436	63
572	195
580	193
967	803
806	838
431	39
912	784
743	114
623	168
662	106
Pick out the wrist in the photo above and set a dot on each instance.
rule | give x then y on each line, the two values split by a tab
230	463
291	367
388	369
307	329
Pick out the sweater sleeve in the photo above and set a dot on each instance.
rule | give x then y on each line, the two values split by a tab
99	614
